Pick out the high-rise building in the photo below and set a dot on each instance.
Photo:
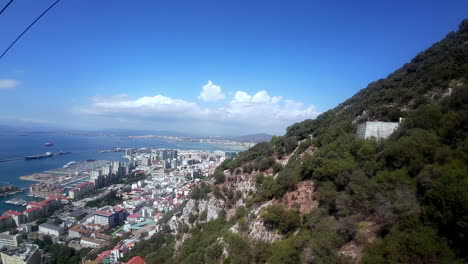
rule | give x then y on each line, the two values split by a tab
28	254
105	218
163	154
174	164
129	152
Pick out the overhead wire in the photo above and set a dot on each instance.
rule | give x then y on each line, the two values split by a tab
5	7
32	24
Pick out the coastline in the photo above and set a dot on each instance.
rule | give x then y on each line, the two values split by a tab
31	177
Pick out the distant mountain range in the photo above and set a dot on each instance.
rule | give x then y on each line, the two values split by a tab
33	128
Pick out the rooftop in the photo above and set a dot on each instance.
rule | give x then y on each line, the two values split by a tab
134	215
4	217
136	260
16	213
50	226
92	240
83	184
31	209
23	253
103	213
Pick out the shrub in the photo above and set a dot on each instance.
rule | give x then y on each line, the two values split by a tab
219	177
277	167
285	221
259	178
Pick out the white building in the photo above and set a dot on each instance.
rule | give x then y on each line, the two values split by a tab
9	240
28	254
50	229
90	242
104	218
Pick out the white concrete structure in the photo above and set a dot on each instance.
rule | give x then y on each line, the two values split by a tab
50	229
90	242
9	240
376	129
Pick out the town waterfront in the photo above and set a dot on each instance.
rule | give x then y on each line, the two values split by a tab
82	148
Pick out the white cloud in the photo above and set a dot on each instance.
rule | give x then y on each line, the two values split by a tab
241	97
244	114
8	83
211	92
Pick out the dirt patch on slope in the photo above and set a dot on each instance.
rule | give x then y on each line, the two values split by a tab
303	198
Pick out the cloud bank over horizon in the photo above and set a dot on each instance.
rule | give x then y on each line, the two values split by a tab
242	114
9	83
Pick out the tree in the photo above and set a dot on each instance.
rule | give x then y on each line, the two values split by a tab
219	177
286	221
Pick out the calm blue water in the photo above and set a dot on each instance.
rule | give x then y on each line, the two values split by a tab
82	148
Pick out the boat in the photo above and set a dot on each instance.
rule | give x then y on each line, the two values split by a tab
48	144
62	152
16	201
40	156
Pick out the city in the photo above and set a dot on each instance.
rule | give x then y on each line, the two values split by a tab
104	207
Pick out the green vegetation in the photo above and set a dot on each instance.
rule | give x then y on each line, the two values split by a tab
133	178
61	253
157	249
277	217
110	199
200	192
219	177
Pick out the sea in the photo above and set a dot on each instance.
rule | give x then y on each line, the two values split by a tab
82	148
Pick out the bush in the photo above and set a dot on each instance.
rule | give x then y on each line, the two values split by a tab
284	252
266	163
219	177
419	244
286	221
259	178
200	192
277	167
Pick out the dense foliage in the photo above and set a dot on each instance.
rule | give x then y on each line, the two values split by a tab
109	199
60	253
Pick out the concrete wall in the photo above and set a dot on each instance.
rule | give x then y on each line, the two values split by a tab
376	129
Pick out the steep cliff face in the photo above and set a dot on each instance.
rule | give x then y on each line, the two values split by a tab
319	194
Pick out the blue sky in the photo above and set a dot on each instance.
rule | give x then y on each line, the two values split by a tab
210	67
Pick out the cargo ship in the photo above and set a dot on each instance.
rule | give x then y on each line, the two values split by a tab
48	144
63	153
41	156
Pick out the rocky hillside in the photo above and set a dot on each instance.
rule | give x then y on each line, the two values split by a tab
319	194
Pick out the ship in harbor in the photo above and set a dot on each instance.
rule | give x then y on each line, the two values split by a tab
111	150
48	144
63	153
40	156
16	201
